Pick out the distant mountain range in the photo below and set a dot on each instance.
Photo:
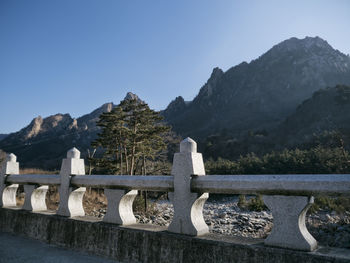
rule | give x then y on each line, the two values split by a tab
279	100
260	94
45	141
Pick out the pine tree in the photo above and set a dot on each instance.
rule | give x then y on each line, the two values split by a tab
131	136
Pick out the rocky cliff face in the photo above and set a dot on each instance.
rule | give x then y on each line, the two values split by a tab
39	127
261	94
45	141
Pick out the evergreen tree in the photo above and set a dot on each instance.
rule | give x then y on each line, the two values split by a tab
131	136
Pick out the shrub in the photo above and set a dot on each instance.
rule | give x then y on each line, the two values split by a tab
256	204
242	202
337	204
139	206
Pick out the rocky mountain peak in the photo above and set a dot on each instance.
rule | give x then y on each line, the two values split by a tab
88	121
107	107
306	43
208	89
260	94
133	96
217	73
41	125
177	103
56	120
33	128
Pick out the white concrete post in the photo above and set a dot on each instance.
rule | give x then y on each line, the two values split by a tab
289	230
119	210
35	197
8	192
71	198
188	206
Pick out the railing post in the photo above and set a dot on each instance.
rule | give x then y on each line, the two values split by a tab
188	206
71	198
289	229
35	197
8	192
119	210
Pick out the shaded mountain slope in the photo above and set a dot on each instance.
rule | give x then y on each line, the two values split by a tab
323	119
260	94
328	110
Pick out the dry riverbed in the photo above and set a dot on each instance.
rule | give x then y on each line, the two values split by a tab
225	217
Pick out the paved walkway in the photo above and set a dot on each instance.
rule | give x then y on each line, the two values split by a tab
15	249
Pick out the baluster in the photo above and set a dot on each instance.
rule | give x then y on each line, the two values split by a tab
71	198
289	229
8	192
35	197
119	210
188	207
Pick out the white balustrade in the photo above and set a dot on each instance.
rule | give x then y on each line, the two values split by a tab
287	196
188	206
71	198
8	191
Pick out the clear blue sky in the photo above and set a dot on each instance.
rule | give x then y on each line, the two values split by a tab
72	56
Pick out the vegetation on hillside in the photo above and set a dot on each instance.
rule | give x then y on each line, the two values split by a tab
325	159
317	160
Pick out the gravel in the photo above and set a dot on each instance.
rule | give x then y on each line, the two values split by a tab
225	217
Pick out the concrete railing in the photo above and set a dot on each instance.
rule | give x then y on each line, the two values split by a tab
287	196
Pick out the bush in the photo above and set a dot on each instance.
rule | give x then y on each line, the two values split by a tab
256	204
242	202
139	206
337	204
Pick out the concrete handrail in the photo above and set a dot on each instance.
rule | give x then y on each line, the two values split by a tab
287	196
38	179
291	184
125	182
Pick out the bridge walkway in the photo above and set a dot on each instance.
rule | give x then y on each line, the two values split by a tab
16	249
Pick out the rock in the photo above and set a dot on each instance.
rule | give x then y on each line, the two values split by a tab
224	218
166	216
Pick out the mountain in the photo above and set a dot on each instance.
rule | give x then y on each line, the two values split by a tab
323	119
259	95
281	99
326	112
45	141
3	136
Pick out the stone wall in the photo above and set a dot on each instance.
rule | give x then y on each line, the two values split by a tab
145	243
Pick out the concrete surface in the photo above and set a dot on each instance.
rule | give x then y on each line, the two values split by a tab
15	249
147	243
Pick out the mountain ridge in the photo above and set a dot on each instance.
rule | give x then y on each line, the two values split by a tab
243	106
260	94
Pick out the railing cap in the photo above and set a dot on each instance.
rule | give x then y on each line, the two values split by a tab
73	153
11	158
188	145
